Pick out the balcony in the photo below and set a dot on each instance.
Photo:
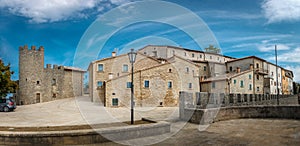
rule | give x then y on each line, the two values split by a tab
261	71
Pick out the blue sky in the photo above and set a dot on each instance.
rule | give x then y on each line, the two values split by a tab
241	27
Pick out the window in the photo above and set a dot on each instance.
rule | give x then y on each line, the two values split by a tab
115	102
100	83
100	67
170	85
250	86
274	83
145	53
184	53
230	68
190	85
278	75
125	68
210	57
155	53
170	70
250	76
218	58
193	55
54	95
128	84
205	77
257	88
146	84
257	77
213	85
187	69
173	52
53	82
242	84
234	81
204	68
200	56
272	73
257	65
37	82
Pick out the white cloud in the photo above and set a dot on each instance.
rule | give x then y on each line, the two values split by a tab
255	37
41	11
119	2
271	47
291	56
281	10
229	15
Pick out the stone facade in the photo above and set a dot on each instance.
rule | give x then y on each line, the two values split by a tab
106	69
264	77
181	68
156	82
38	84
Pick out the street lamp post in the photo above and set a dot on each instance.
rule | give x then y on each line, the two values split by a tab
277	89
132	57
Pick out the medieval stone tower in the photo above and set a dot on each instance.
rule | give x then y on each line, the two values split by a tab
31	67
38	84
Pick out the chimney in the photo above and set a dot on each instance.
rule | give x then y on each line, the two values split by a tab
201	78
238	70
251	66
55	66
32	47
48	66
113	54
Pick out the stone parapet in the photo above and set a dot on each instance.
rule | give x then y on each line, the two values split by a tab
86	136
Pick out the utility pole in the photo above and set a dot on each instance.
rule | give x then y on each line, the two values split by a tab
276	75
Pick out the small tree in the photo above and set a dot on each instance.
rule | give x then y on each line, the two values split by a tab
212	49
6	84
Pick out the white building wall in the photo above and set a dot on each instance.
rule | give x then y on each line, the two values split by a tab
273	83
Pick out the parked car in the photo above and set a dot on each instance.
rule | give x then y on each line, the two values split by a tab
7	105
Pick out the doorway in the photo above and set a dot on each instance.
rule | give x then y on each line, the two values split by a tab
38	98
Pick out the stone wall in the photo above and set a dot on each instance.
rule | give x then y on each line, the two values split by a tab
83	136
31	65
182	74
211	100
113	68
158	93
206	108
39	84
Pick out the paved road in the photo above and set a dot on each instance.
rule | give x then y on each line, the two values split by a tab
252	132
232	132
77	111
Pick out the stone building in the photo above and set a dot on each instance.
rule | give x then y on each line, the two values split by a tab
157	82
248	75
38	84
287	82
161	72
